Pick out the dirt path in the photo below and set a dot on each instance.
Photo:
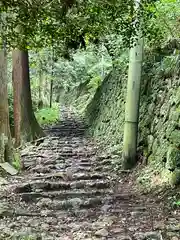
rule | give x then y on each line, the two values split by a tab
68	191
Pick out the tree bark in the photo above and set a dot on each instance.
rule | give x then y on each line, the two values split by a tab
26	125
132	100
51	93
6	146
51	82
40	98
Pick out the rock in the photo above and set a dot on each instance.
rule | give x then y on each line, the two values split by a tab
174	238
12	225
117	230
8	168
170	234
105	208
125	238
133	229
102	233
55	235
66	238
75	202
45	212
136	214
3	181
44	202
159	226
148	236
33	223
45	226
87	239
174	227
6	210
51	221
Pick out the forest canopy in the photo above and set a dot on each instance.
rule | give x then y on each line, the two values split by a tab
70	23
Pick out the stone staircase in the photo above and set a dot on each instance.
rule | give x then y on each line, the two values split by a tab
68	191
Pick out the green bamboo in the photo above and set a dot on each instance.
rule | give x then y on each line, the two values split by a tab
132	100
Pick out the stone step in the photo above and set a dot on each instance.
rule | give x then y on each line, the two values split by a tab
35	210
85	164
62	185
104	162
42	169
73	203
33	196
128	208
74	154
71	144
68	123
68	129
55	164
62	135
84	160
60	171
73	176
70	140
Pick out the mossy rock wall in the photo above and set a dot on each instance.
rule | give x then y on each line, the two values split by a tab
105	113
159	128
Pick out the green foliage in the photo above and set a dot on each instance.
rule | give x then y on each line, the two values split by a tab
163	22
170	65
88	64
69	23
177	203
114	45
47	116
29	238
17	161
95	82
174	201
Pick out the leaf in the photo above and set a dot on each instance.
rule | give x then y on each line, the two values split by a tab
178	203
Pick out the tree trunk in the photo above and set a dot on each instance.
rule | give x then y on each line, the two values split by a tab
132	101
51	93
26	125
51	83
40	98
6	147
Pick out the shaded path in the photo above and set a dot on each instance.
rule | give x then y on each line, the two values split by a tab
68	191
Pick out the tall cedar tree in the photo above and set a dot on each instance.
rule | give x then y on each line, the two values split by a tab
6	149
26	125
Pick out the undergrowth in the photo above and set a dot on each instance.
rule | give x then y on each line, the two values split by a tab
17	161
48	116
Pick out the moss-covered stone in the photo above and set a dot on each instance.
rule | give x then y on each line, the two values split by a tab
173	158
175	138
175	177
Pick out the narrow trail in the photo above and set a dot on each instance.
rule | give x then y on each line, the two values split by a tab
69	191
